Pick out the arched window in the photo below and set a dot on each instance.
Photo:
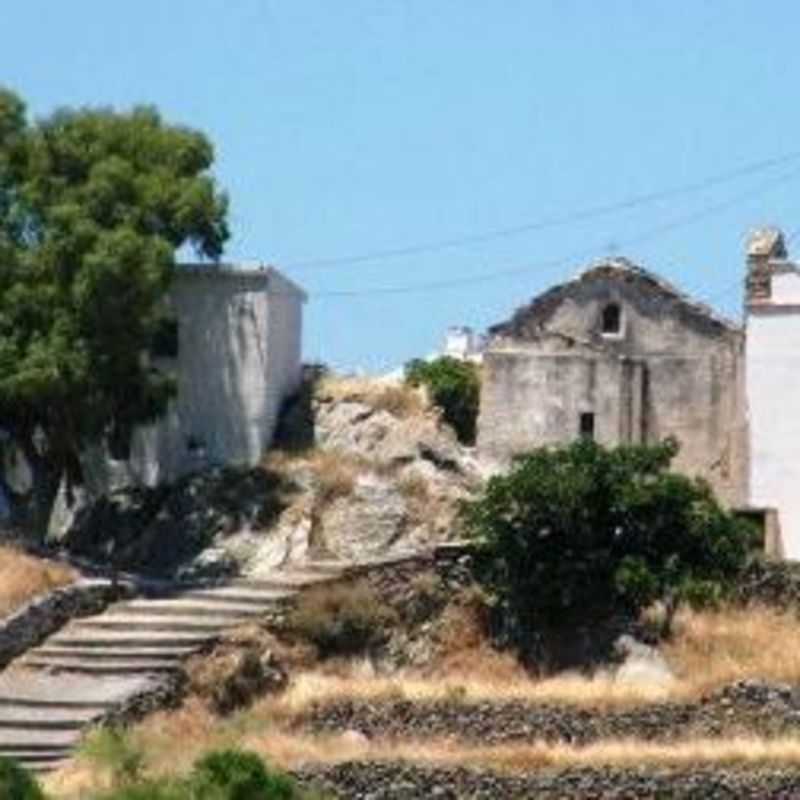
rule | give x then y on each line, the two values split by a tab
612	319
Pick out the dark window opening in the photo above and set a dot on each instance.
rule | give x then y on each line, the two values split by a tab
164	343
612	318
587	425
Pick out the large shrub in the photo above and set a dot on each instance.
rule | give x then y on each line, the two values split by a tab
575	531
454	387
16	783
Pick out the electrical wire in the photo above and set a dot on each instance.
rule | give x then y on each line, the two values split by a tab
573	218
652	233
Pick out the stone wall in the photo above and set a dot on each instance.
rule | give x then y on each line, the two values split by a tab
401	781
45	615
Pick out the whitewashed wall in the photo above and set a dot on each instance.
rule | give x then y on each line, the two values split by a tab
238	359
773	394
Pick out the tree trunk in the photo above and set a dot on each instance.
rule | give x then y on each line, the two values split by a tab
46	473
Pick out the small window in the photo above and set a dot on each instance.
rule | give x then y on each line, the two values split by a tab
612	319
586	425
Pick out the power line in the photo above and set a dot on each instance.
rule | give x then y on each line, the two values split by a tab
583	215
652	233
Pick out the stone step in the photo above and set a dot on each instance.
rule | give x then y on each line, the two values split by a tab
37	688
95	667
45	724
262	598
99	654
35	748
185	607
158	623
39	760
54	705
296	579
29	755
97	639
12	741
26	716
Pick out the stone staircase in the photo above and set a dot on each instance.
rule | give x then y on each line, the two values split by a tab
97	664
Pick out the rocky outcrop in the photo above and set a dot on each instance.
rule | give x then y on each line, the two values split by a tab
402	781
378	481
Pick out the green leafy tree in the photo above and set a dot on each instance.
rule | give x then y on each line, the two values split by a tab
582	530
93	206
454	387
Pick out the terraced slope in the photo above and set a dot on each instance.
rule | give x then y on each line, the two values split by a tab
97	664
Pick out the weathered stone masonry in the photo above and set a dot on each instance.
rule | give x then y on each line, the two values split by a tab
619	355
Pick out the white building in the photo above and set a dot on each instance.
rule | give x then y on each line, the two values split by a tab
462	343
773	383
238	358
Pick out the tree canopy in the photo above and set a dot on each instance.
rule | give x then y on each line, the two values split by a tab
94	204
580	530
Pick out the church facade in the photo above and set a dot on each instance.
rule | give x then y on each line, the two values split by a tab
621	356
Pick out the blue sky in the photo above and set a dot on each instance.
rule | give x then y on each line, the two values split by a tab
365	126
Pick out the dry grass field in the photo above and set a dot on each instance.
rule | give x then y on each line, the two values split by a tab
23	577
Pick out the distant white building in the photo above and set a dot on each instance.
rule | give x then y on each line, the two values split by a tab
237	357
461	342
772	304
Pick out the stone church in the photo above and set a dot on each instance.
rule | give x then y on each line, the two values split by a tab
622	356
619	355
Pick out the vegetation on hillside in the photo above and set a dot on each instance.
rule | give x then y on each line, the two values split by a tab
24	577
93	206
454	387
582	530
223	774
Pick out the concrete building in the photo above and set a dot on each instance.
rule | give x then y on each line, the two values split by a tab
237	359
772	305
619	355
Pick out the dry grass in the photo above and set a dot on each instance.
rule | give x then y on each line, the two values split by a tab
288	751
396	398
712	648
336	471
23	577
173	743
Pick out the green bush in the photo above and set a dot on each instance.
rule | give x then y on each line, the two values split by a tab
238	775
454	387
16	783
581	530
221	775
343	619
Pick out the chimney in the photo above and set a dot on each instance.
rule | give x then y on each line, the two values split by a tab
764	245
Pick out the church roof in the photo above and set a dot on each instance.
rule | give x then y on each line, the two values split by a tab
621	270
